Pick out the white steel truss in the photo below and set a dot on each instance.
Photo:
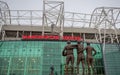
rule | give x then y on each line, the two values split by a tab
53	16
4	16
105	19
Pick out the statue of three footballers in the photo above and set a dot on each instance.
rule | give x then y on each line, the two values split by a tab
68	52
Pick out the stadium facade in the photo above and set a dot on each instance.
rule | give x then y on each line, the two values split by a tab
33	40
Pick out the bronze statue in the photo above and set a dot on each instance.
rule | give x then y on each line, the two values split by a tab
68	52
80	56
89	56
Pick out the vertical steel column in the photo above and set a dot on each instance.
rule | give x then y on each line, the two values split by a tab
18	16
84	38
17	36
31	17
73	20
103	48
96	36
3	35
43	18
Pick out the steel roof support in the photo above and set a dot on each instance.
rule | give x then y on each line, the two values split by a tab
53	14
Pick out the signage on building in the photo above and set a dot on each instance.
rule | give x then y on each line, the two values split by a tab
50	37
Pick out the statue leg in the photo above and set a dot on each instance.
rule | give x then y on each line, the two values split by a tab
88	64
66	73
67	63
72	64
78	62
92	66
83	67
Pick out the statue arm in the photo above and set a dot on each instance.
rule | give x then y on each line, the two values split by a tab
94	52
82	49
74	46
64	49
63	52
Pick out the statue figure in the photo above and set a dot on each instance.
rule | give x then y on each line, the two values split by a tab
68	52
89	56
80	56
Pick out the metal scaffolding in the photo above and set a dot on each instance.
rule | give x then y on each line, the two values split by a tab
4	16
103	19
53	16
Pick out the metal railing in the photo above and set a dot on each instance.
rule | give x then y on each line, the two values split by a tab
34	18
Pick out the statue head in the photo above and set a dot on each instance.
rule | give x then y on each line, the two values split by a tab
88	43
79	42
68	42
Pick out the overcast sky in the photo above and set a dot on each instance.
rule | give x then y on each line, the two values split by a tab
80	6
